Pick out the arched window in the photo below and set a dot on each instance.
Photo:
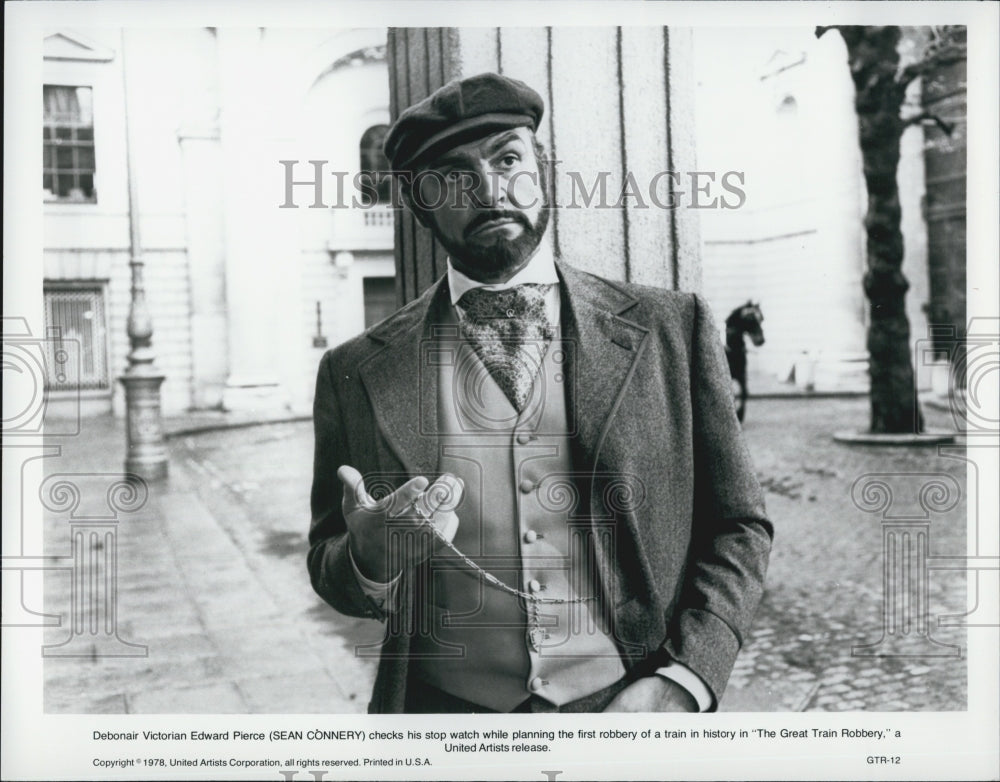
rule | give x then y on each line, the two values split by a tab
376	181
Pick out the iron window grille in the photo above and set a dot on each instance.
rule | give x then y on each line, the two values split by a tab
76	314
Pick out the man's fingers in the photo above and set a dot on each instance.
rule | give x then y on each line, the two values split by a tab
444	494
404	496
356	494
354	487
447	525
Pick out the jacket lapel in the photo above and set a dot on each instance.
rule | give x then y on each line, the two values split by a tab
401	381
604	349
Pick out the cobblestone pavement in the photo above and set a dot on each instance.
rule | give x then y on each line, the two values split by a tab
825	586
212	578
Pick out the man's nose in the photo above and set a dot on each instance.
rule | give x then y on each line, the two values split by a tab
489	188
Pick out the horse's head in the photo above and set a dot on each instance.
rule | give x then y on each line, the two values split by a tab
746	320
754	317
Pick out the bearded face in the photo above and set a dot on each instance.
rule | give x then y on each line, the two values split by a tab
485	201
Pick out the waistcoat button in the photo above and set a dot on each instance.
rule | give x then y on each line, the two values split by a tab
526	486
523	439
534	586
535	684
530	536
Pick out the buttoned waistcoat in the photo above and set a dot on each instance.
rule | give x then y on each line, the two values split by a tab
681	555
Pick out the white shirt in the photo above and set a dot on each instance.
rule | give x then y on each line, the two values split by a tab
541	269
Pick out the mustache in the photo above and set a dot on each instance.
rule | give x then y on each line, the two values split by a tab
495	214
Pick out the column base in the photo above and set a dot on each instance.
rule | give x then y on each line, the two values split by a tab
250	394
146	449
833	373
149	468
93	645
906	645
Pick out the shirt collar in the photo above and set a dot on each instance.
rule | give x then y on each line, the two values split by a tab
541	269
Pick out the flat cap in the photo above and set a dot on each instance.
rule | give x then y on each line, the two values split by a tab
460	111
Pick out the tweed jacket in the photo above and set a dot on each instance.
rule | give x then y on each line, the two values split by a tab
684	548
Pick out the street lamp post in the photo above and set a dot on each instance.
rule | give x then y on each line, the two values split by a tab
146	454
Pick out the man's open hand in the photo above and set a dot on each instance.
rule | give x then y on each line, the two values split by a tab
653	693
375	525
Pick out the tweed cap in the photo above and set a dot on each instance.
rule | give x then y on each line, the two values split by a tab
459	112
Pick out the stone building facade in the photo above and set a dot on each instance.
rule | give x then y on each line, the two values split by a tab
244	294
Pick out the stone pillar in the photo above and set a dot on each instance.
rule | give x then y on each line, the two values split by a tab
617	100
680	86
200	156
248	204
420	60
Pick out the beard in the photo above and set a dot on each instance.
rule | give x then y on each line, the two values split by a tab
497	256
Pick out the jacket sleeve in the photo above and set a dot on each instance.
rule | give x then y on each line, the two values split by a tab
329	561
731	534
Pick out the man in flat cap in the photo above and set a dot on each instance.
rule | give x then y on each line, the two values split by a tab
533	475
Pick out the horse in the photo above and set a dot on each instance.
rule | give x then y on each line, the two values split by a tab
743	321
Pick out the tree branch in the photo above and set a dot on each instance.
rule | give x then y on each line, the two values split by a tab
946	127
947	55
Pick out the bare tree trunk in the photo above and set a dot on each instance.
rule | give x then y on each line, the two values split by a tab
874	63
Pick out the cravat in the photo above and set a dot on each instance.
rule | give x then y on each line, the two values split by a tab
510	331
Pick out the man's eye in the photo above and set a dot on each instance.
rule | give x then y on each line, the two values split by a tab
508	160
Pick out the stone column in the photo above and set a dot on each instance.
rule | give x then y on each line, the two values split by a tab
251	272
617	100
200	156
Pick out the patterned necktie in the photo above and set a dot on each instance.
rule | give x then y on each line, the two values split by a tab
510	331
